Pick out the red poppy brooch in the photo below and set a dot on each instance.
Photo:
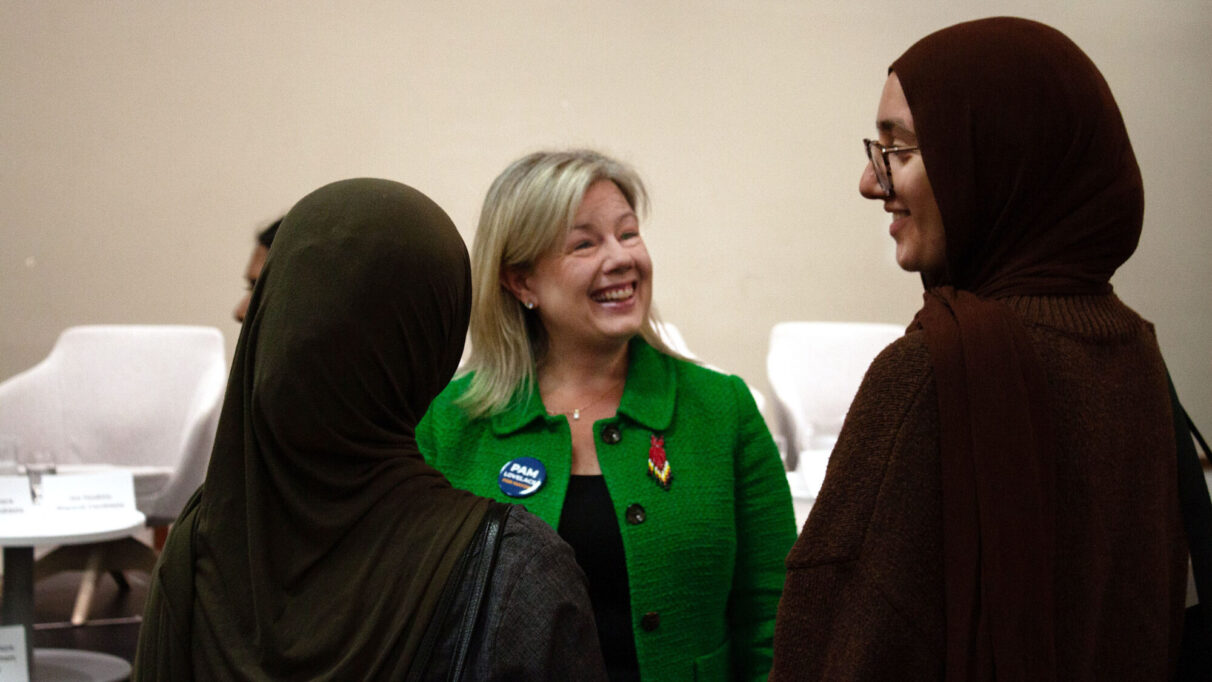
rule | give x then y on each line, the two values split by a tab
658	464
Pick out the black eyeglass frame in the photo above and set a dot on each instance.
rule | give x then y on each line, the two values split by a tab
883	171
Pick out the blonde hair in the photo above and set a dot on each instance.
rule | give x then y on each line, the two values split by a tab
526	214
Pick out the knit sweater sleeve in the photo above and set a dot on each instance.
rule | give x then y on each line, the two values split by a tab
765	531
863	579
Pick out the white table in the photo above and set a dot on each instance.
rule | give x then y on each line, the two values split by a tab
19	536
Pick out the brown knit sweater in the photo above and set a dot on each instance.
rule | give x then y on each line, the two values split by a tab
864	593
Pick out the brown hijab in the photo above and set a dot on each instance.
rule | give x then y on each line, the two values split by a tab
1040	194
321	540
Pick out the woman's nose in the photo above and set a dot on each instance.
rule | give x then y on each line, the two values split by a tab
618	257
869	187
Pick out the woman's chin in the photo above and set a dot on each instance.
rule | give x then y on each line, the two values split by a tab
618	332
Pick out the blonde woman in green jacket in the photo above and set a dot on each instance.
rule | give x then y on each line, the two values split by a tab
658	472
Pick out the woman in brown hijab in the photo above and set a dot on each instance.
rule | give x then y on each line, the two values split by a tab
321	546
1002	500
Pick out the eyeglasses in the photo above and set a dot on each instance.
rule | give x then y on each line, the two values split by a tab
883	172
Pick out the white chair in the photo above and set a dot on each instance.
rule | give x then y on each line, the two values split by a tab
141	397
815	369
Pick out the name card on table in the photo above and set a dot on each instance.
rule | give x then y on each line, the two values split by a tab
13	666
94	492
15	497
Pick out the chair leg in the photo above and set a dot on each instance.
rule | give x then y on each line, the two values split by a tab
88	585
113	557
120	579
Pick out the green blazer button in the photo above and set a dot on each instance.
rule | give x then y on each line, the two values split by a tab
612	434
650	621
635	514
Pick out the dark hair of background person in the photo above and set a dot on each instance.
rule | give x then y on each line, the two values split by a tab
266	237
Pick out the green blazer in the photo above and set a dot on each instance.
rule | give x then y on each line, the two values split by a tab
705	556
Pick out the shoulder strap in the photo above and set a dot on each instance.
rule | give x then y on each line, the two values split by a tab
444	650
492	529
1196	506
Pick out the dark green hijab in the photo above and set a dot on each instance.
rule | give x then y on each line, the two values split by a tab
321	540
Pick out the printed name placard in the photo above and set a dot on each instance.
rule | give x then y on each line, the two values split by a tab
92	492
15	498
13	666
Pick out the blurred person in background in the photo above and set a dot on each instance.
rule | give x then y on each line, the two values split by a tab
256	261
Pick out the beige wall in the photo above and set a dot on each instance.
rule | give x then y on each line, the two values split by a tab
141	143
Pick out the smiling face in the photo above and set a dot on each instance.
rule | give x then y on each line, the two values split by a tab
917	224
595	289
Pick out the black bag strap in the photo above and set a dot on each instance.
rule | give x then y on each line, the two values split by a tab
492	529
458	611
1196	505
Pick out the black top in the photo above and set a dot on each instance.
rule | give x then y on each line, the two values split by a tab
588	524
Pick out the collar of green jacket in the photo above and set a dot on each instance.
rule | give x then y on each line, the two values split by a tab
648	395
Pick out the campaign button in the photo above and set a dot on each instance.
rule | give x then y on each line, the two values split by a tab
522	477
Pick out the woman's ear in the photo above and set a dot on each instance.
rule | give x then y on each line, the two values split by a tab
514	280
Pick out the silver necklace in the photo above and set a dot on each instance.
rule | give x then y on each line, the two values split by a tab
575	412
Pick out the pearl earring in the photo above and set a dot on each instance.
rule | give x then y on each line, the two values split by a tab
530	305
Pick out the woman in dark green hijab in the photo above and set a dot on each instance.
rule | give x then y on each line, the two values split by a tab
321	546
